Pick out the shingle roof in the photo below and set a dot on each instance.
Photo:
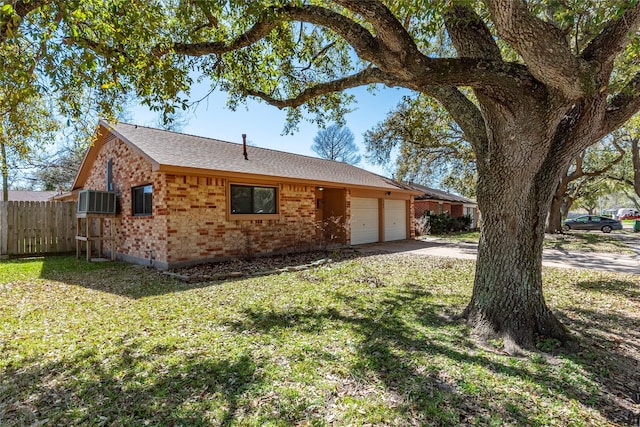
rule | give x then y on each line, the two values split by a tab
433	194
29	196
165	148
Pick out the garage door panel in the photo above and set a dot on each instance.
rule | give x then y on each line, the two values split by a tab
364	220
395	220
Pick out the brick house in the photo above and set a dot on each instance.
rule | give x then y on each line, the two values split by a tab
438	202
185	199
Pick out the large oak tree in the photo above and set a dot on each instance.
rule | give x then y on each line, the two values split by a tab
542	81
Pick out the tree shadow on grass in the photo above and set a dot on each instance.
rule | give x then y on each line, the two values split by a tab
129	386
610	352
617	287
393	340
128	280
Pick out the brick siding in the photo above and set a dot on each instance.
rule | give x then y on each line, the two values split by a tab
140	237
420	207
198	228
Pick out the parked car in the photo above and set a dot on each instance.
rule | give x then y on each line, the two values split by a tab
627	213
631	216
592	222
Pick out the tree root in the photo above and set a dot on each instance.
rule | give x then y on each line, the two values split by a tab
517	342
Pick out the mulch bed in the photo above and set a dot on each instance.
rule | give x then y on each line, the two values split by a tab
259	266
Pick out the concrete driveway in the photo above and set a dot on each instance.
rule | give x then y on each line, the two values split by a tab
550	257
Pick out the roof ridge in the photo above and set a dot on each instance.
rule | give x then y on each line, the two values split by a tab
253	146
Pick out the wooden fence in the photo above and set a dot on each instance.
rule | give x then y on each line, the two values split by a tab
37	228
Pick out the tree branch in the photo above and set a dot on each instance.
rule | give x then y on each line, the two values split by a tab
635	161
622	107
619	179
470	35
601	171
95	46
318	55
421	71
21	8
465	114
578	172
543	47
389	29
613	38
358	37
212	20
365	77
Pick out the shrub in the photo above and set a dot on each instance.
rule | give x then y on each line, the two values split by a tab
445	223
332	231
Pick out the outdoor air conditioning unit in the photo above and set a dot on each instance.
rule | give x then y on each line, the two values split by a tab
96	202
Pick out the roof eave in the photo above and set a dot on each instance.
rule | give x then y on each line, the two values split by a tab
244	175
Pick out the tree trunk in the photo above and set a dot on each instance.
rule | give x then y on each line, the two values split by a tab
5	172
554	223
507	300
559	208
566	206
635	157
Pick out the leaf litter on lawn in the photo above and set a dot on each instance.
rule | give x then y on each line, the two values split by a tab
366	340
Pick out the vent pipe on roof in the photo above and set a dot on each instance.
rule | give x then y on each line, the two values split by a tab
244	146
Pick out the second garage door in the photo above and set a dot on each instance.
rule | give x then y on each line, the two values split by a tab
364	220
395	220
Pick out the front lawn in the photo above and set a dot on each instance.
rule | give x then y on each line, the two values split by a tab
581	241
367	341
594	241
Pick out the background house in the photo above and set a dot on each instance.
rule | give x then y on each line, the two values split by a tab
184	199
438	202
29	196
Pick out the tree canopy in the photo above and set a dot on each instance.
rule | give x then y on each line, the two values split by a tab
25	128
531	84
430	147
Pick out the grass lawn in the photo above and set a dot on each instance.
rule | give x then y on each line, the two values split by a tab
582	241
368	341
588	242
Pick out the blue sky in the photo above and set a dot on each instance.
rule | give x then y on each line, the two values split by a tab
264	124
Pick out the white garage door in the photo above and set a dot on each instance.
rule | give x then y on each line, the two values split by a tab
364	220
395	220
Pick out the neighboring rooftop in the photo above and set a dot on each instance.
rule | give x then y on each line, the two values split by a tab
28	196
433	194
169	149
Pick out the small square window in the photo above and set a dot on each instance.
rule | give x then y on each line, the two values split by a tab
141	200
253	200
